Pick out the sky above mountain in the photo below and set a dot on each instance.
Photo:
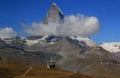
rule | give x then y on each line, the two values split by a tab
15	13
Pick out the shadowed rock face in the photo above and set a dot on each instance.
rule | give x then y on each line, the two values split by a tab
54	15
2	44
117	55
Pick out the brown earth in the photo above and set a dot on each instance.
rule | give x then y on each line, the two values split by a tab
12	70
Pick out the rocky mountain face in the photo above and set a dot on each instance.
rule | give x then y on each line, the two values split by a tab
54	15
73	53
2	44
15	42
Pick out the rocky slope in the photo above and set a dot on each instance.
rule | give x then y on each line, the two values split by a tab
13	55
2	44
113	47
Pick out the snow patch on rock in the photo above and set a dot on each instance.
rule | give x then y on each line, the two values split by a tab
111	46
86	40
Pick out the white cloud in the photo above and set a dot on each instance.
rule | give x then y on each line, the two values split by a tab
73	25
7	33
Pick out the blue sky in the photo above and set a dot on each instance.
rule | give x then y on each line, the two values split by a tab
13	13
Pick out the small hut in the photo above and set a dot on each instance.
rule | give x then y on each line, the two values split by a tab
51	63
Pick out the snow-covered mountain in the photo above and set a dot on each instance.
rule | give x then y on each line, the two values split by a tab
15	42
54	39
111	46
86	40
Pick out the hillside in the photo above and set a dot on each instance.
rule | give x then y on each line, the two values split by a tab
13	70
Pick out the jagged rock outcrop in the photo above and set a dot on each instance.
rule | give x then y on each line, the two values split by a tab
54	15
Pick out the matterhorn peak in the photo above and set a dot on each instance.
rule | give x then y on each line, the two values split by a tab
54	15
54	3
